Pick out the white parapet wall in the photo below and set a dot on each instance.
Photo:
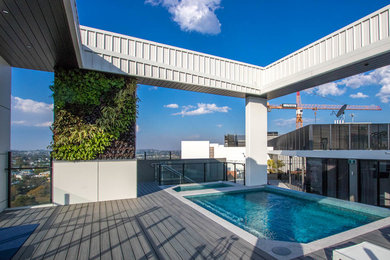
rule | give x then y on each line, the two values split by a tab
92	181
195	149
5	128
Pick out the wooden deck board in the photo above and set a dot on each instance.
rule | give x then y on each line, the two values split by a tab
73	250
85	240
94	251
154	226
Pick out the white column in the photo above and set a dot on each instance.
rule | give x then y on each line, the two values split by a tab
5	128
256	141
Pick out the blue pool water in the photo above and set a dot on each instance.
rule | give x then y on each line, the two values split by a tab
201	187
272	215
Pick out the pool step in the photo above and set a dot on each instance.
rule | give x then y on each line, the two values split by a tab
232	218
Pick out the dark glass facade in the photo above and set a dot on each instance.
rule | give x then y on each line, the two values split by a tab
328	177
335	178
335	137
374	180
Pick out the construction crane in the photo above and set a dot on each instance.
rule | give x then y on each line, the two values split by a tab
299	107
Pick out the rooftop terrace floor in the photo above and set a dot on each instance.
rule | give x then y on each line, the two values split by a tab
154	226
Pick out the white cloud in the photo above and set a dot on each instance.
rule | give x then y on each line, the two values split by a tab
330	89
172	106
30	106
326	89
379	76
358	95
359	80
44	124
201	109
219	125
193	15
137	128
30	123
285	122
28	112
19	122
384	75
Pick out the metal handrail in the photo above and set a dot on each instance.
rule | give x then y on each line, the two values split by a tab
181	175
180	163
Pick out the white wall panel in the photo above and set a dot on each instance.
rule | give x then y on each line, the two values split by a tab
361	33
140	58
194	70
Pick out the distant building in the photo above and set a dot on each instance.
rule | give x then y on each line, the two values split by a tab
239	140
348	161
233	149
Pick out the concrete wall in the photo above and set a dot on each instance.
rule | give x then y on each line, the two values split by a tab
91	181
145	169
256	140
195	149
5	128
232	154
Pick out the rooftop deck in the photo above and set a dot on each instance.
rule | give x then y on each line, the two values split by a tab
153	226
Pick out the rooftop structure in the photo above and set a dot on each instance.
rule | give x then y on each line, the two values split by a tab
46	34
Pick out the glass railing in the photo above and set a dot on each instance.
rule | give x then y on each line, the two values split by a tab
29	178
158	155
173	173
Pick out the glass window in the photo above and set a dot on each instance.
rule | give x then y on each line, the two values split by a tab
359	137
342	179
340	137
331	178
307	138
314	175
378	137
368	182
384	183
316	137
321	134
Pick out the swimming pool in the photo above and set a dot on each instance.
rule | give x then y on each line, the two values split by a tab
286	215
201	187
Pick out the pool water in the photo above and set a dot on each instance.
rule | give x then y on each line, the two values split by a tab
272	215
201	187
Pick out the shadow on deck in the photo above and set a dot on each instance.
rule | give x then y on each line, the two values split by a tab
153	226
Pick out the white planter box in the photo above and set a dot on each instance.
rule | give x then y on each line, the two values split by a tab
92	181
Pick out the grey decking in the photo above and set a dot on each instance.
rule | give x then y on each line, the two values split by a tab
153	226
379	237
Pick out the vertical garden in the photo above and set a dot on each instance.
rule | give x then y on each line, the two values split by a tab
94	115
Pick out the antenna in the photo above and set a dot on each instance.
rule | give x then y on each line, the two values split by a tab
341	111
352	117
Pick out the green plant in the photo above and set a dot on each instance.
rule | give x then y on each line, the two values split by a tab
94	112
83	88
274	166
117	119
74	140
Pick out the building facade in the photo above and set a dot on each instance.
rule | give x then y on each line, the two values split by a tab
348	161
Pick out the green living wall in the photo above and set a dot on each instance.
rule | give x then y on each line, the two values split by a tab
94	115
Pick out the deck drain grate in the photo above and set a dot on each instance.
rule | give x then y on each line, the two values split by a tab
281	250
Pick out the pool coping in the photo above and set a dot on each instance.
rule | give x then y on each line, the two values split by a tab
297	249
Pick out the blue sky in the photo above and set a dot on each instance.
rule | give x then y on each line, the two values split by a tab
257	32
